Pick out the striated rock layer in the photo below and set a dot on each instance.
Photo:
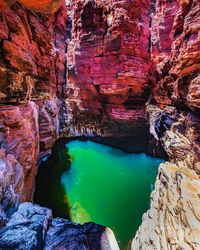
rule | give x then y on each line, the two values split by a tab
173	221
89	69
176	52
109	68
32	75
174	217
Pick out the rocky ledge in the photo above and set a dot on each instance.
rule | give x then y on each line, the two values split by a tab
32	227
173	220
89	69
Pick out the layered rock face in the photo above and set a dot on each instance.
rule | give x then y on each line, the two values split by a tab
32	56
88	70
20	143
176	52
173	220
109	68
32	75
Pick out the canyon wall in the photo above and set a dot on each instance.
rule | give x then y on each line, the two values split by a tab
173	220
32	74
89	69
109	70
176	53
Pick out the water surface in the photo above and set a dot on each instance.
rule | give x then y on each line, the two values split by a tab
109	186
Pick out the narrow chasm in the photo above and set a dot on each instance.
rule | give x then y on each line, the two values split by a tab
84	180
99	125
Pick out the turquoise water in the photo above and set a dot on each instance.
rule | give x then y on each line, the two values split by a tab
109	186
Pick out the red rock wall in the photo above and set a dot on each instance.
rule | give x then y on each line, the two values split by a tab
108	56
32	54
90	68
19	137
176	52
32	75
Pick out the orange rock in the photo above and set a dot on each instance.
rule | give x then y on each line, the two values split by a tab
4	4
45	6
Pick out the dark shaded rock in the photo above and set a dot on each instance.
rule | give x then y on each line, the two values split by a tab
163	123
3	218
28	229
70	236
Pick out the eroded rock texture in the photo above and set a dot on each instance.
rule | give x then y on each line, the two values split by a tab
32	60
89	69
32	75
109	68
48	6
32	227
176	52
19	138
172	221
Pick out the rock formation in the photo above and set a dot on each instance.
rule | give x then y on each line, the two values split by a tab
173	220
176	52
89	69
32	73
108	62
32	227
36	5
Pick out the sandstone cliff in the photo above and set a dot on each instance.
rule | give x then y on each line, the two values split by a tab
108	62
173	220
89	69
32	74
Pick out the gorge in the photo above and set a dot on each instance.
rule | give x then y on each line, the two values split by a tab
88	186
123	72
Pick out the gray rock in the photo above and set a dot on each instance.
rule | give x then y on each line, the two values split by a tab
26	228
29	212
22	236
31	227
65	235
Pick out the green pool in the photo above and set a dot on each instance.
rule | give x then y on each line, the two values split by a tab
109	186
